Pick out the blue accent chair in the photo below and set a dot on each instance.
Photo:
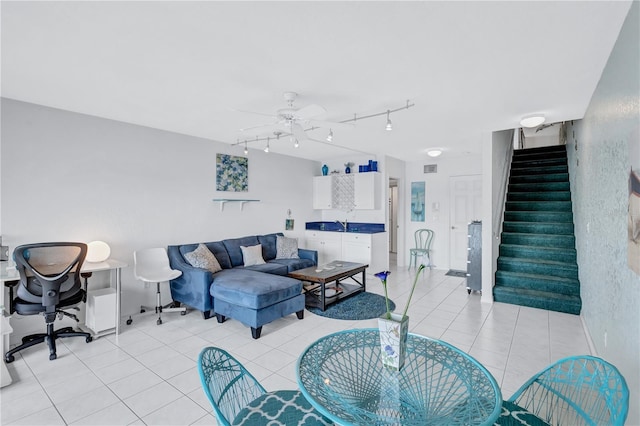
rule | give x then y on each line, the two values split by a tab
578	390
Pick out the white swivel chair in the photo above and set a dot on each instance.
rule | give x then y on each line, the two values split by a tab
152	266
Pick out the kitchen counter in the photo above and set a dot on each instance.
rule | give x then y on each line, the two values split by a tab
352	227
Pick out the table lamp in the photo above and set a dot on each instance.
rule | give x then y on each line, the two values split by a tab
97	251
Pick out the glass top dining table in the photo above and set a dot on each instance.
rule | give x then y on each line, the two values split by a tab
342	376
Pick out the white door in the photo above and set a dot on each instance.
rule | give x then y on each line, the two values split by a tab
465	201
393	219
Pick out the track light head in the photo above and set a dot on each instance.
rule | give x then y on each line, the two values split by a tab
389	126
296	144
330	136
266	148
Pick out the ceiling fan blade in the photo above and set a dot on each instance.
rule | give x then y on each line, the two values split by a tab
330	124
265	128
309	111
253	112
298	132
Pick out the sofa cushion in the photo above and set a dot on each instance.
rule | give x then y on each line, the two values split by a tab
235	252
202	257
252	255
286	248
217	248
271	267
253	289
294	264
268	246
220	252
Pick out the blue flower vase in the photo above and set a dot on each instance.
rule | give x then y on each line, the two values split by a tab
325	170
347	170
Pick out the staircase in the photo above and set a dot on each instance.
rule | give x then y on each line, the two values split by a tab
537	262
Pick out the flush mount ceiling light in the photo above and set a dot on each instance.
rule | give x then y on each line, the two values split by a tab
532	120
436	152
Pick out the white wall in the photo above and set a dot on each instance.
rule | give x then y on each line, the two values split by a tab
437	190
68	176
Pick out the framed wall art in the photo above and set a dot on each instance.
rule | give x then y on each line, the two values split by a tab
232	173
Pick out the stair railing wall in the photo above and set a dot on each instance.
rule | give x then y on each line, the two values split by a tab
498	215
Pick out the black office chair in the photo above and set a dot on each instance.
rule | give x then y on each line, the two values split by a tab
49	281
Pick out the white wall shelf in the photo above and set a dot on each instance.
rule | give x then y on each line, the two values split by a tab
223	201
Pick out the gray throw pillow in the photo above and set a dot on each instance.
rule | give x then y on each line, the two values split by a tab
252	255
286	248
202	257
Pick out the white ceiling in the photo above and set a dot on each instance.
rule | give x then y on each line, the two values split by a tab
469	67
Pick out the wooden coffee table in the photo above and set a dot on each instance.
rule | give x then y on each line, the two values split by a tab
321	290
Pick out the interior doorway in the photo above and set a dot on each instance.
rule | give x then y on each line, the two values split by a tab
393	220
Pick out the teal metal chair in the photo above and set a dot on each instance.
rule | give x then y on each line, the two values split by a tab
423	241
578	390
239	399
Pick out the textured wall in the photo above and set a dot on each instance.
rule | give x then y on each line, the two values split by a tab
599	148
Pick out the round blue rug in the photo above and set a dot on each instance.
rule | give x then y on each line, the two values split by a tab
358	307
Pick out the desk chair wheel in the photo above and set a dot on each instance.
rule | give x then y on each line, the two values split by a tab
142	311
159	321
89	339
129	321
9	358
52	357
183	313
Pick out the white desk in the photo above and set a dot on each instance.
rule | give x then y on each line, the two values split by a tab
115	266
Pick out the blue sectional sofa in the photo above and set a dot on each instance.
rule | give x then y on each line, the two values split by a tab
254	295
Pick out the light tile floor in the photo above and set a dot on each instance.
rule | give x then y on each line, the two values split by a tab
148	375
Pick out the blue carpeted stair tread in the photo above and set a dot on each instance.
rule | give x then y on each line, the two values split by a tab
545	206
521	227
528	252
538	299
540	240
539	170
538	282
538	266
539	186
538	216
546	177
539	196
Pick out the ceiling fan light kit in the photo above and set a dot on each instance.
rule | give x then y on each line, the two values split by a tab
295	122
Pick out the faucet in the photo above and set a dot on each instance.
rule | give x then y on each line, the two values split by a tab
344	224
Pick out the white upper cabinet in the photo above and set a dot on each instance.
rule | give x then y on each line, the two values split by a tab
367	191
322	192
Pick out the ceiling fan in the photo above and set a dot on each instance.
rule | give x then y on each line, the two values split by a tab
292	121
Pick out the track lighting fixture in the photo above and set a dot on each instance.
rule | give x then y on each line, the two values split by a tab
296	143
246	150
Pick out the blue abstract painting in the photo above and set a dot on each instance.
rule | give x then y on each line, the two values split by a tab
232	173
417	201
